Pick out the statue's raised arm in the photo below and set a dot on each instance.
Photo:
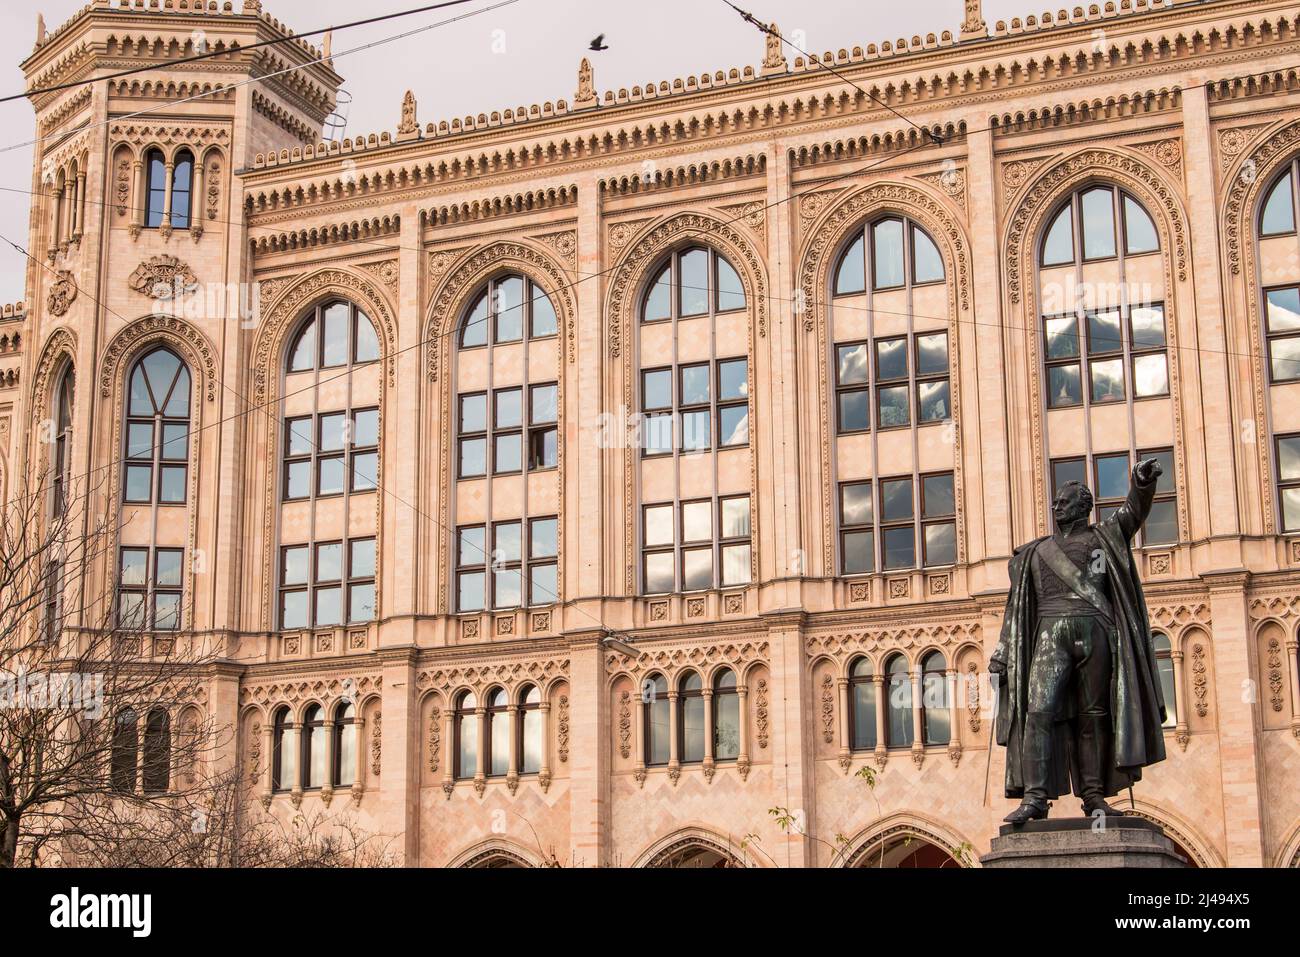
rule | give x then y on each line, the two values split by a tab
1141	492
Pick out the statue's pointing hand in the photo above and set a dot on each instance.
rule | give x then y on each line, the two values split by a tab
1147	471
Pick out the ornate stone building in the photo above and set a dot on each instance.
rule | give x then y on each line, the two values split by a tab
614	480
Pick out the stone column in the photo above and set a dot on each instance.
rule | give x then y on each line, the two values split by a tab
398	722
706	696
268	758
327	786
56	218
674	752
1180	712
882	751
358	757
954	713
589	751
166	226
79	208
846	732
196	201
544	772
918	731
293	734
139	198
742	753
1293	666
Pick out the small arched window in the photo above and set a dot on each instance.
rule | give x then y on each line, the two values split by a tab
497	745
336	334
705	283
1279	214
157	430
1096	223
862	705
156	172
726	716
157	751
465	722
1165	667
125	750
61	453
894	252
182	186
345	745
314	747
690	718
529	759
899	732
935	713
654	697
284	766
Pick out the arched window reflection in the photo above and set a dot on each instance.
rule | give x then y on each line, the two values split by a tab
529	759
284	763
935	704
690	718
465	729
345	745
497	746
654	697
314	745
156	174
899	731
862	705
157	429
1165	668
182	183
726	716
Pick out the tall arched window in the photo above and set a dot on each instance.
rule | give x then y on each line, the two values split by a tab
345	745
1105	350
125	750
284	763
1165	667
529	758
935	705
182	184
507	428
862	705
156	172
158	429
690	718
726	716
899	731
657	720
61	450
694	400
890	360
315	745
156	772
497	746
465	729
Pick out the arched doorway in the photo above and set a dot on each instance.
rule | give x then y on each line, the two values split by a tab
496	860
692	848
904	851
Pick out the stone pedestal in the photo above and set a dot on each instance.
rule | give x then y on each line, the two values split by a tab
1081	842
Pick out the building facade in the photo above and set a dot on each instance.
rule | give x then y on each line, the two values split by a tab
631	480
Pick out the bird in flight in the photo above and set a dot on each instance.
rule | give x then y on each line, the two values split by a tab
599	44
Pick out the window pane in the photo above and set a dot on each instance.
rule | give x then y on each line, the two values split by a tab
1150	376
544	322
927	264
849	276
467	753
367	341
1063	386
658	303
1107	380
1284	356
1112	476
864	715
694	282
130	610
507	542
1166	459
695	385
365	431
896	500
294	567
1279	211
509	309
696	432
658	572
1288	458
932	354
731	294
508	411
474	331
859	552
733	379
887	253
365	471
855	412
167	572
1098	223
507	586
935	700
167	611
337	334
657	389
1283	309
176	441
697	568
545	407
543	448
1103	332
1161	526
469	591
473	412
331	477
331	431
726	726
507	453
361	562
1139	231
659	525
1070	470
941	544
1291	509
900	547
733	425
328	611
692	717
657	434
735	564
855	503
852	364
134	567
139	481
697	521
139	440
473	457
891	358
1058	247
894	409
293	609
1148	324
1062	337
329	562
543	587
499	734
933	398
543	542
298	480
938	495
735	517
531	737
172	484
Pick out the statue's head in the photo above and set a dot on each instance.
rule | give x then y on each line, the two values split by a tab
1073	503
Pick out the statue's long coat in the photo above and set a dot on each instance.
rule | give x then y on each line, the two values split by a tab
1137	704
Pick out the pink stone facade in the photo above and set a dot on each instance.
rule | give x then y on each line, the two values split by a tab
775	740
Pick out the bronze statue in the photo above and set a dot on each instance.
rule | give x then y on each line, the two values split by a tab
1079	700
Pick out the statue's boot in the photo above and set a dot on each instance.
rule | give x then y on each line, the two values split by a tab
1035	762
1092	741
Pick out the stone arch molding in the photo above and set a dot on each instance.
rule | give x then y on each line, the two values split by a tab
134	337
688	837
906	824
841	216
60	346
475	268
631	271
291	301
1115	165
1181	831
496	848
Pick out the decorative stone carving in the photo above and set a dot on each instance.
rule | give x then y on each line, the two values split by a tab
197	349
658	611
773	59
565	244
160	277
761	716
435	737
386	272
625	724
254	752
694	607
621	233
972	697
562	733
122	186
376	742
586	94
212	187
733	604
828	709
1275	677
63	292
1200	681
409	125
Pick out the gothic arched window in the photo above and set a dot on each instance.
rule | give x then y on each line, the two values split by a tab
935	714
61	445
125	750
531	745
1165	668
690	718
158	429
156	771
862	705
182	187
284	764
726	716
496	749
156	186
345	745
314	747
465	730
657	720
898	729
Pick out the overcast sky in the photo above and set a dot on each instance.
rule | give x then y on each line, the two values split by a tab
524	53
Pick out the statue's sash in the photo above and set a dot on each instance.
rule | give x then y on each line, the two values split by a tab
1070	573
